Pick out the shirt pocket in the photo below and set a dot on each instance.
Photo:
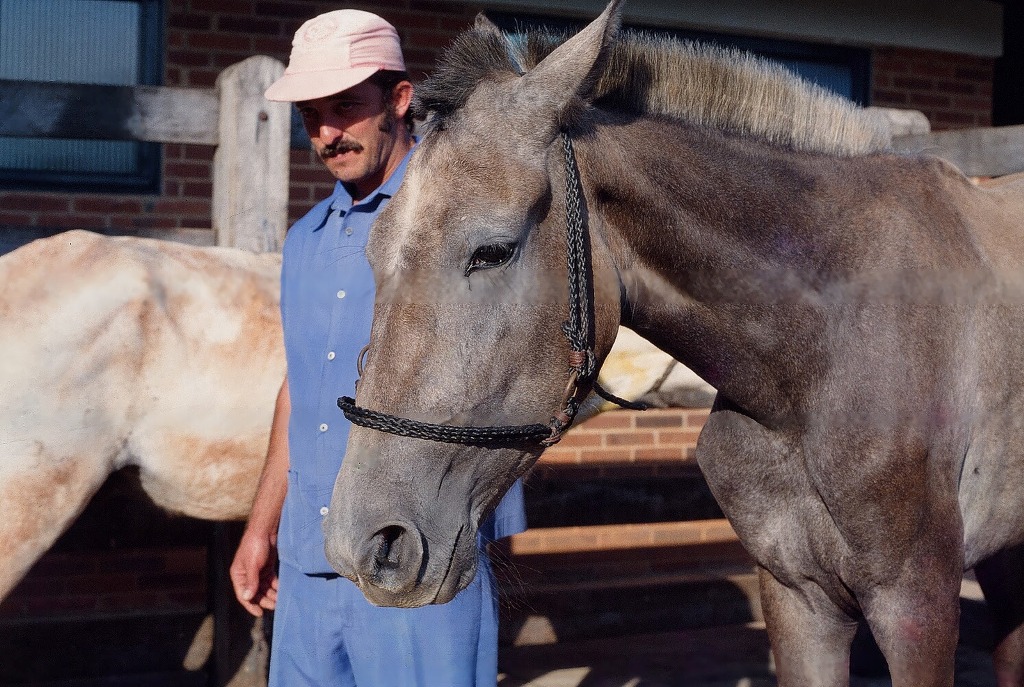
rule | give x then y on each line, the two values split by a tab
300	541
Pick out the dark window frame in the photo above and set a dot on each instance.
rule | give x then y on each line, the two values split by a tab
146	177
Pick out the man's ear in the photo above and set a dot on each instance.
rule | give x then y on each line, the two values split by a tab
401	98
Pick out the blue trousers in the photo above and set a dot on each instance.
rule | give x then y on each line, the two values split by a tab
326	634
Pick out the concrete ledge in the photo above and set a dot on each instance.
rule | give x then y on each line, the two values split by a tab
565	540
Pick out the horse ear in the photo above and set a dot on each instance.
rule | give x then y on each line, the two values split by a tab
482	23
567	74
485	25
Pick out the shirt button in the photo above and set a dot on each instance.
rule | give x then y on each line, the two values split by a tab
330	355
341	294
323	427
348	231
323	510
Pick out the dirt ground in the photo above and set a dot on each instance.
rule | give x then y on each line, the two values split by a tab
734	656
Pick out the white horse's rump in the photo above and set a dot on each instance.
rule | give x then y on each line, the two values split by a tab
127	351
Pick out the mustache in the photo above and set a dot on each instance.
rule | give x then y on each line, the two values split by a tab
339	147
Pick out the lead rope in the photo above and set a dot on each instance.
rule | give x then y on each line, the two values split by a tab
577	329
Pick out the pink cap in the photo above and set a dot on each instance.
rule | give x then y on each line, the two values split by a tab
335	51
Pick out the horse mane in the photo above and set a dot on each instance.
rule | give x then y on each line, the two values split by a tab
699	84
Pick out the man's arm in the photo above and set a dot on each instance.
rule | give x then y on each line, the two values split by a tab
253	571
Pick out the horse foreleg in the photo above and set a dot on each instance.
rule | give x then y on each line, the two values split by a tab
915	622
810	636
1002	580
41	497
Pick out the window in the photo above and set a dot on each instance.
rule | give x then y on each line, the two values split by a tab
113	42
845	71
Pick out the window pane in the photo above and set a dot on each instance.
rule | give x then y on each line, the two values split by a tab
74	41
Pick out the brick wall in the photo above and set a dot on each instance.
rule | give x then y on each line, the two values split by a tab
652	442
113	581
953	91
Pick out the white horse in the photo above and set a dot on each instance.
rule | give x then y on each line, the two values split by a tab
168	357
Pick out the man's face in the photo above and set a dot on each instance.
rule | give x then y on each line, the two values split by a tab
355	133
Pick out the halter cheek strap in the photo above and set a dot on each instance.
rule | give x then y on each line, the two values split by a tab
577	329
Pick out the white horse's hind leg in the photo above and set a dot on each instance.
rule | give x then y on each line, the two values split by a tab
41	497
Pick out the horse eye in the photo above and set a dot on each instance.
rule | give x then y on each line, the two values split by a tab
492	255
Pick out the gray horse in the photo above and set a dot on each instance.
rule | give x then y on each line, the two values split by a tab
859	312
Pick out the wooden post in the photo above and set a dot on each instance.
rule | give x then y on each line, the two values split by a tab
903	122
250	167
984	152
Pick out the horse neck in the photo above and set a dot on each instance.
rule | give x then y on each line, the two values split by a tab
719	246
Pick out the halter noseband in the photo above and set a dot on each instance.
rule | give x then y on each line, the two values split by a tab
577	329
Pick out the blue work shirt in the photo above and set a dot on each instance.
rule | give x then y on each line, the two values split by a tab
327	293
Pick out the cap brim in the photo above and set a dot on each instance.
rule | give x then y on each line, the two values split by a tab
294	88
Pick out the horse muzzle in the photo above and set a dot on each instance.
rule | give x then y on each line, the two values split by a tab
393	564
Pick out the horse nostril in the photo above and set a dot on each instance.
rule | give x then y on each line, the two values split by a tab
395	556
389	551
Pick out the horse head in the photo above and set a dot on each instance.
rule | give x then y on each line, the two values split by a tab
470	264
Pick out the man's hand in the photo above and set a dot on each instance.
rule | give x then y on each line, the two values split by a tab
253	572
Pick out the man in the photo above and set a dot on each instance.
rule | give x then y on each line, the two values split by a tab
347	75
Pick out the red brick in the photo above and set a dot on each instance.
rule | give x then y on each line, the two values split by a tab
615	419
922	100
186	169
889	97
687	438
249	25
981	106
42	202
215	40
652	420
222	6
629	438
194	151
107	205
300	194
68	221
191	21
696	418
189	58
937	69
188	206
974	74
197	189
278	47
576	438
16	219
560	456
605	455
957	87
660	453
288	10
911	83
948	120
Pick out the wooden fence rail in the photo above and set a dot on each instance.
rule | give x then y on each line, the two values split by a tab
252	136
